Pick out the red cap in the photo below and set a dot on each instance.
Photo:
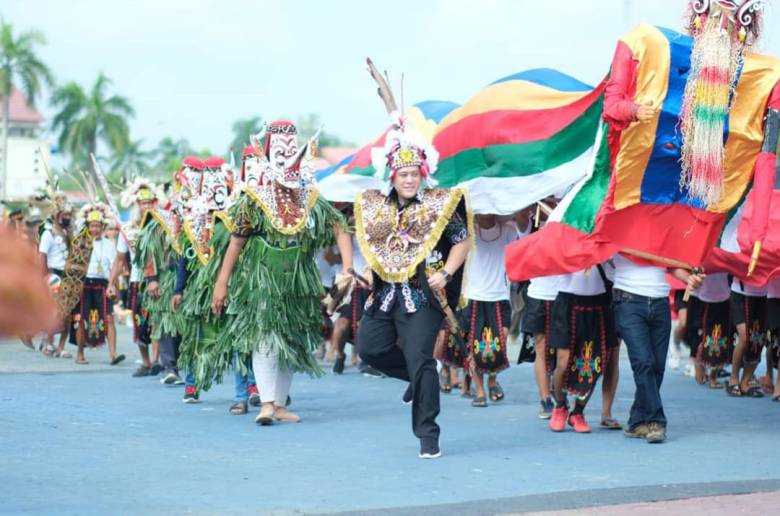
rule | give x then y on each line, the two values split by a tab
279	127
193	162
214	162
249	150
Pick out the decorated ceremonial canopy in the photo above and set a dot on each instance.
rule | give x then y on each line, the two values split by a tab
519	140
638	196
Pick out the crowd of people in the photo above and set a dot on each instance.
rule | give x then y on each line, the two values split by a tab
234	273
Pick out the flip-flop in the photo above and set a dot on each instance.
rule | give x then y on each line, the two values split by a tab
117	359
239	408
496	392
479	401
716	385
82	361
61	354
611	424
734	391
754	392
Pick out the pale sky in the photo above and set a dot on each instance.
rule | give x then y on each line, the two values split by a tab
191	68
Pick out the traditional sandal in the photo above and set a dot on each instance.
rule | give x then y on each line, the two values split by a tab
753	392
734	391
238	408
496	392
479	401
611	424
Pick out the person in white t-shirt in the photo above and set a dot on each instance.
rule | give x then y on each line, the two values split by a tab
709	323
644	322
487	314
773	322
536	320
748	315
95	320
53	245
583	334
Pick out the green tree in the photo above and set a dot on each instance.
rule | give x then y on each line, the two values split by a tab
88	117
242	129
19	64
132	160
169	154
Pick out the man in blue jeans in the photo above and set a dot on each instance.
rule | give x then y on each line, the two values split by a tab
644	322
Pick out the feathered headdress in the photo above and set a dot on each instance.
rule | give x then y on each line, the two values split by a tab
94	212
140	190
404	145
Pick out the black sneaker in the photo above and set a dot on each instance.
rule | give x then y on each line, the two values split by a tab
338	365
155	369
370	372
429	449
407	397
170	379
545	409
191	394
141	371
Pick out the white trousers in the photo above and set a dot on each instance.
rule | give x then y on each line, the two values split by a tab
272	382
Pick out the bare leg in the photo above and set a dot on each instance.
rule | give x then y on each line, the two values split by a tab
111	335
339	339
155	351
479	383
776	393
610	382
144	350
739	350
80	342
561	365
540	366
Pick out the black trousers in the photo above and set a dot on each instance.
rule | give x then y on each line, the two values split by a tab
401	346
169	352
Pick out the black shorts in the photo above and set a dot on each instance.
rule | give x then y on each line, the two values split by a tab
537	316
747	307
773	315
582	318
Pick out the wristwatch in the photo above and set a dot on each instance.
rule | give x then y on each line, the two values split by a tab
447	275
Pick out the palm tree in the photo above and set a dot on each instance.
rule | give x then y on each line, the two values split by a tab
132	159
170	152
84	118
18	62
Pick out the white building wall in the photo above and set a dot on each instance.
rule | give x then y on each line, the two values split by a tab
26	173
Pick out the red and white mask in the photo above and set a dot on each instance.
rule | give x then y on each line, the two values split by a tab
281	148
217	184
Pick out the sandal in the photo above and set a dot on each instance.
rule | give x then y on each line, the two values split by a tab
239	408
444	383
611	424
716	385
117	359
49	351
479	401
496	392
61	354
734	391
82	361
753	392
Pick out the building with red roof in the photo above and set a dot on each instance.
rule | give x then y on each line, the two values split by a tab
27	152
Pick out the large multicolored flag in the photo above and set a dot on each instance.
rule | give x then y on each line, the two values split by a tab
520	139
632	199
342	181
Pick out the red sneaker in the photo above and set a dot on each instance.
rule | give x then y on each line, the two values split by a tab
558	419
577	421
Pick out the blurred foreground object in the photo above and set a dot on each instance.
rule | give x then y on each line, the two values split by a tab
26	303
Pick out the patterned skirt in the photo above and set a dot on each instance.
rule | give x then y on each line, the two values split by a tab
585	326
90	313
711	323
752	311
484	323
142	333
